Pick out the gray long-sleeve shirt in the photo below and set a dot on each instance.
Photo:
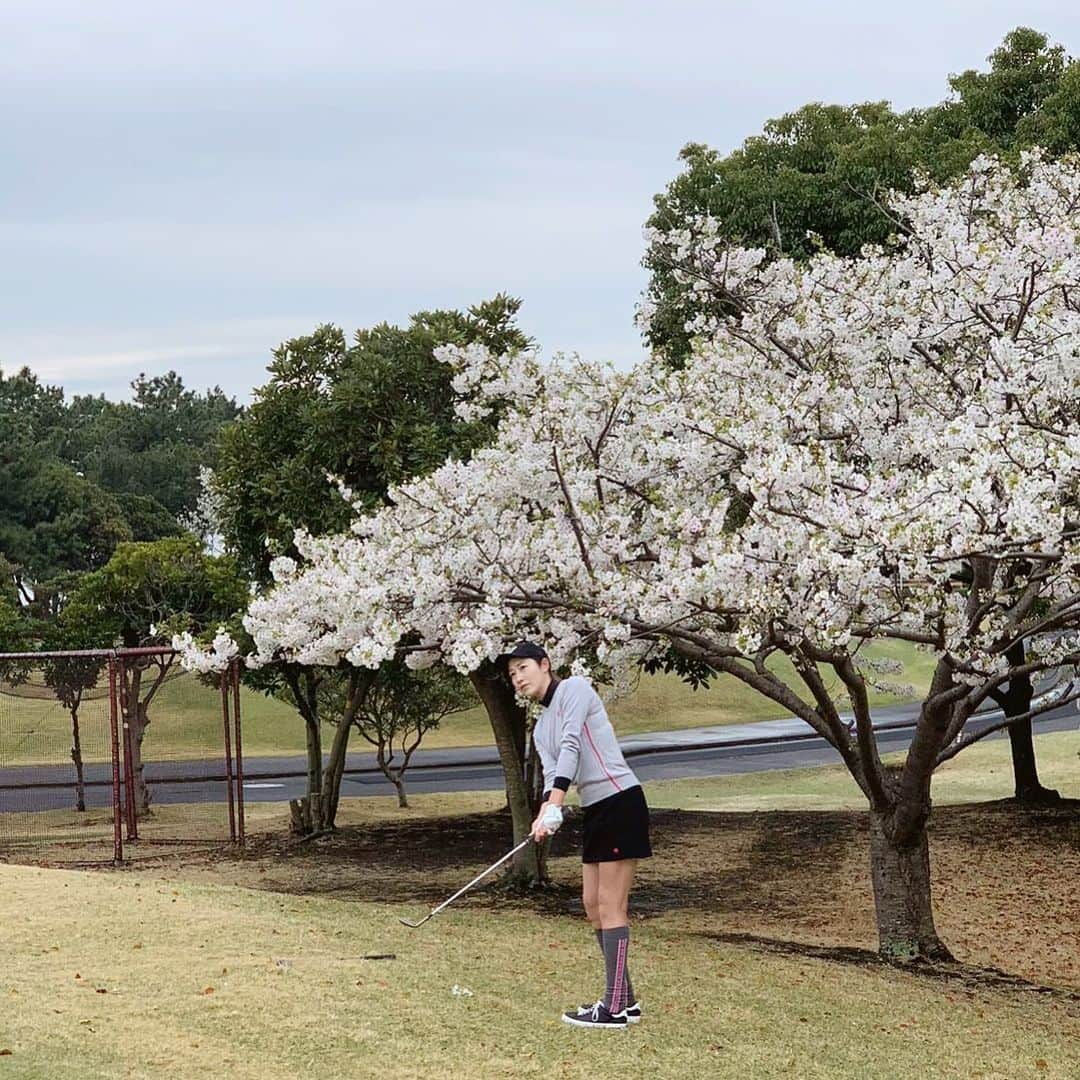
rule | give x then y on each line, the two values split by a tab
577	744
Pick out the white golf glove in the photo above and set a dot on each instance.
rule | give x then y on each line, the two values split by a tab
551	818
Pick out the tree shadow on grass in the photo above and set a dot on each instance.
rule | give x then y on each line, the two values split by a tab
967	977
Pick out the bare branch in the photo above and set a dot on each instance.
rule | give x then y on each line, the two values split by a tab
869	757
571	511
967	740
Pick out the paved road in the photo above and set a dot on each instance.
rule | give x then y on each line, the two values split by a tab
716	751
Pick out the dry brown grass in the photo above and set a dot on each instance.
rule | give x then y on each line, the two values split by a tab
753	937
111	975
1004	879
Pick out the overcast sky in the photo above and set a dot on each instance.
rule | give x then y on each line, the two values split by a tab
185	185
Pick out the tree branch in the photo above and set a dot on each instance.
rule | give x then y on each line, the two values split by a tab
964	743
570	509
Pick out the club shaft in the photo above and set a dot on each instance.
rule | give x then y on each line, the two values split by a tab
481	876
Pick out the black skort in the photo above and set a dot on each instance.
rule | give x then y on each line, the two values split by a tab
616	828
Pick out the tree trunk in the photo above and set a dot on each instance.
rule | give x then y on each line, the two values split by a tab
138	733
309	813
534	779
335	770
1015	701
508	725
76	757
360	681
402	801
900	871
135	712
313	737
1028	787
135	719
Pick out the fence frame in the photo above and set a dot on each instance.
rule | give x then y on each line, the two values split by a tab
122	770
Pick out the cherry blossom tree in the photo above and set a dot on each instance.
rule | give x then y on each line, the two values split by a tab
876	448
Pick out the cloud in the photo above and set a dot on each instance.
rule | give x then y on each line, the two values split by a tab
185	185
232	355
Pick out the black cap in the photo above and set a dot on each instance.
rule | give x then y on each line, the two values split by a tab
525	650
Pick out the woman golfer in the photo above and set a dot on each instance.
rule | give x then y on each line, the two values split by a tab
577	745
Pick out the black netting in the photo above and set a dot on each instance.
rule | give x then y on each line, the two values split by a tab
183	791
55	754
57	762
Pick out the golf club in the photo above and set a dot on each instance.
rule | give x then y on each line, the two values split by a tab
446	903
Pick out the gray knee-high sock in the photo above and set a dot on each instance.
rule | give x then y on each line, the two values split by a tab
628	986
616	945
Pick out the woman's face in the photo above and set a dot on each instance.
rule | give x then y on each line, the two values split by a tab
530	678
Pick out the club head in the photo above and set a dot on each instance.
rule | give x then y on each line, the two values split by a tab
414	925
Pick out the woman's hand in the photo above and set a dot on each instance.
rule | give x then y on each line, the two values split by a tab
547	821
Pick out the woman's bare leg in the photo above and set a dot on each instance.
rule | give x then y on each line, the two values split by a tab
590	892
613	891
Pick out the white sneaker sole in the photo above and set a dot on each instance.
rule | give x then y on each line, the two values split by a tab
589	1024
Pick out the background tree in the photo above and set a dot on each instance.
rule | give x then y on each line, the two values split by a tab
144	592
72	526
77	480
70	678
149	451
400	707
815	179
371	414
13	628
30	420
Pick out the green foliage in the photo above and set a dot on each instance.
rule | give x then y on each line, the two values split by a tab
12	626
152	446
1056	124
147	589
816	177
147	518
77	480
29	419
1024	71
73	525
401	705
372	414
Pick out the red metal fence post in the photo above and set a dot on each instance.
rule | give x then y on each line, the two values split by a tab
224	684
129	770
114	734
239	751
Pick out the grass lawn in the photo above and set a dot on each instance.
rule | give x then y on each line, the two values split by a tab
188	962
133	976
